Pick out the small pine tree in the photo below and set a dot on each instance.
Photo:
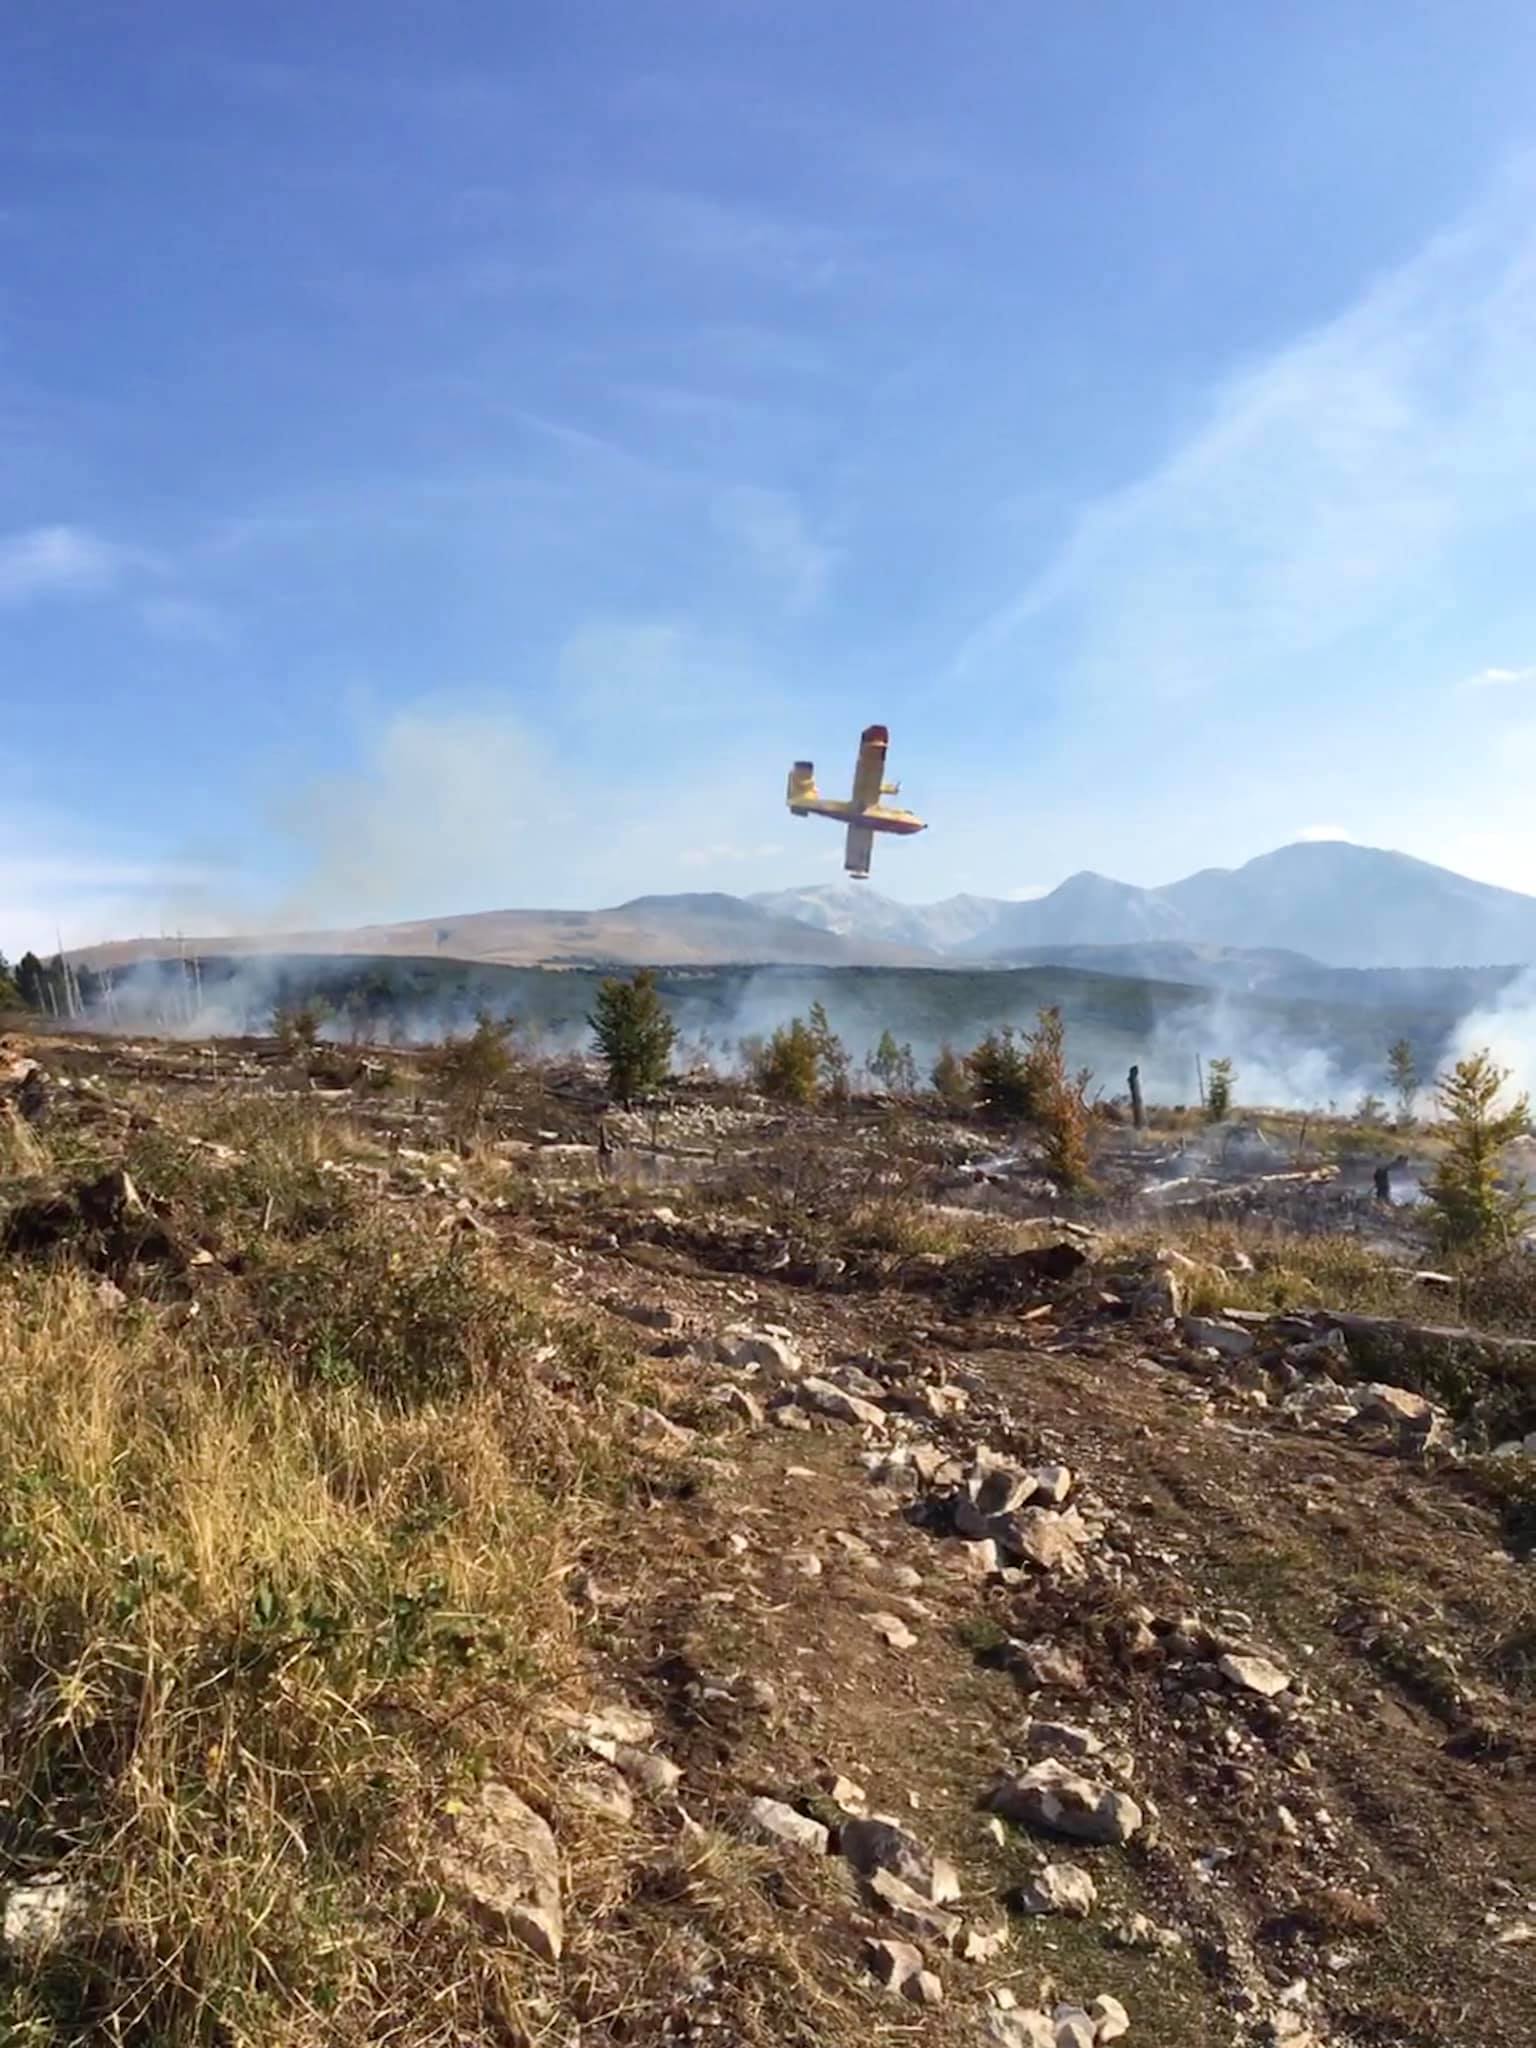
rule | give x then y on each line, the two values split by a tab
10	994
32	983
999	1075
893	1066
634	1035
788	1067
1220	1081
470	1070
832	1062
1472	1212
884	1063
1403	1074
1371	1111
950	1078
1059	1102
297	1028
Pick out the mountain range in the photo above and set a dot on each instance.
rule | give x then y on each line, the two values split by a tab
1279	923
1329	902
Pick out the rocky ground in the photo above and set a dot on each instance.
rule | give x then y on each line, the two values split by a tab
997	1650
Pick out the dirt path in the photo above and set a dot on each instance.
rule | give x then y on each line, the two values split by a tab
1351	1861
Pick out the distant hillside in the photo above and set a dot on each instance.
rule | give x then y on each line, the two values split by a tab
647	930
1328	906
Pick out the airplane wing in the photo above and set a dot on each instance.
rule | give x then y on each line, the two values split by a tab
861	844
870	771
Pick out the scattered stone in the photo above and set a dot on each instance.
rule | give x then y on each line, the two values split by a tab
39	1915
657	1775
912	1913
499	1856
996	1487
1074	2028
875	1844
772	1821
1053	1483
1109	2016
1021	2029
853	1381
604	1793
1060	1888
1381	1403
842	1791
1051	1795
928	1461
899	1967
805	1562
790	1417
610	1724
1328	1355
982	1944
1049	1667
744	1406
894	1630
1286	2028
1060	1738
904	1576
1136	1931
838	1405
1162	1293
769	1351
1205	1333
1043	1539
1254	1674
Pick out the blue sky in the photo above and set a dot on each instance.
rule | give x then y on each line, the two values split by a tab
457	457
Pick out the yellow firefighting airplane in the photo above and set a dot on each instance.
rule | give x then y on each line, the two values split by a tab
864	814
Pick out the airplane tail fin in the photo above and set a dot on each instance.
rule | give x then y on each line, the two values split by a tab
861	844
802	784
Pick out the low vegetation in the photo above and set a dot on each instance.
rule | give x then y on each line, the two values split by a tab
281	1577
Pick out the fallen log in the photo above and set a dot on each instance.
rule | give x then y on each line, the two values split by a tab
1397	1330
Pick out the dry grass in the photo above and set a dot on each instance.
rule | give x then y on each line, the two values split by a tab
277	1575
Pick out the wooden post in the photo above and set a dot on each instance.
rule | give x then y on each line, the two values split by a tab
1138	1114
1200	1079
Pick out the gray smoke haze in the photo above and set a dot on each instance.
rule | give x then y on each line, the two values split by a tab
1110	1025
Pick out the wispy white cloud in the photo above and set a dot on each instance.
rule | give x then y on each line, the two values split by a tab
1324	835
1329	488
1494	678
61	561
770	526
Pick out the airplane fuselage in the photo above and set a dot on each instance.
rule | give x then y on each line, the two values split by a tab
862	813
